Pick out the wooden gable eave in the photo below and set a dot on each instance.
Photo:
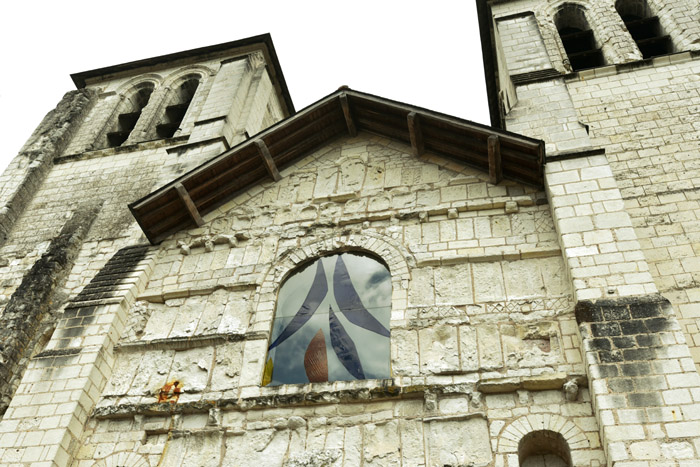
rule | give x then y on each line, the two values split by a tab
182	203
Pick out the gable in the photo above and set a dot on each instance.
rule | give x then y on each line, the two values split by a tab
182	203
368	178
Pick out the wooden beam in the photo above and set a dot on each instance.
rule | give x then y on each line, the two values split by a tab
352	129
495	171
524	142
416	134
189	204
267	160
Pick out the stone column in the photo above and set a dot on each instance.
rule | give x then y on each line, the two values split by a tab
644	385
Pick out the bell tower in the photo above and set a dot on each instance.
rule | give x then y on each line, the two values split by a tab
613	88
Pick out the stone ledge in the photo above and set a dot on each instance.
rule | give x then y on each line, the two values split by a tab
505	256
160	296
100	302
608	70
140	146
566	155
454	418
532	383
57	353
184	343
303	398
179	150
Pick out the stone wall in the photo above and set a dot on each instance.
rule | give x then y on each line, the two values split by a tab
483	335
620	178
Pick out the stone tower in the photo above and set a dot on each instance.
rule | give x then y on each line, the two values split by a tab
613	89
126	130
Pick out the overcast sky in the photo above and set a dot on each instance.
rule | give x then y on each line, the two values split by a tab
422	53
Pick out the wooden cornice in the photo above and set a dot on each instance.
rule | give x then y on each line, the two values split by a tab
181	203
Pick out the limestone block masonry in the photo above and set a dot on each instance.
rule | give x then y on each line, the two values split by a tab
622	144
545	325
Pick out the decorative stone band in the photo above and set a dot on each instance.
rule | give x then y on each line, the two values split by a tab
643	380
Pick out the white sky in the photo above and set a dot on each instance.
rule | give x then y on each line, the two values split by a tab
422	53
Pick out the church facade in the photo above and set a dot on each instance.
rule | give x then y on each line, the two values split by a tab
196	274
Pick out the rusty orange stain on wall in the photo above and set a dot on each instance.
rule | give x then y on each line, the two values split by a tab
170	392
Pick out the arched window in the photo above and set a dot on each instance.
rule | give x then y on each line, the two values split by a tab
544	448
577	37
177	107
129	112
644	27
331	322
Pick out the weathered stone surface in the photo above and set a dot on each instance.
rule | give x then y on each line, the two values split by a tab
203	449
257	447
459	443
33	300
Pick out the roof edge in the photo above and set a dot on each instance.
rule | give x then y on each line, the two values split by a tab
215	181
79	79
333	95
483	11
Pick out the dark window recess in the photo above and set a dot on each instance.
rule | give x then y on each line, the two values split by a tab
544	448
581	48
126	121
648	35
175	113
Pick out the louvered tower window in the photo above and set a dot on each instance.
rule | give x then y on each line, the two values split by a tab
644	27
129	115
175	111
577	38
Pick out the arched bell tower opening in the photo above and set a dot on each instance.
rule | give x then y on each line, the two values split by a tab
129	114
644	27
578	38
177	107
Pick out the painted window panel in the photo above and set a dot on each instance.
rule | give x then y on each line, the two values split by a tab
332	322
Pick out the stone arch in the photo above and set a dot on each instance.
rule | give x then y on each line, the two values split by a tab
125	88
179	89
544	447
121	459
579	39
133	97
638	8
644	26
375	246
684	36
177	76
394	255
608	28
513	434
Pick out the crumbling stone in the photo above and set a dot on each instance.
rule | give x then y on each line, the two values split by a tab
30	304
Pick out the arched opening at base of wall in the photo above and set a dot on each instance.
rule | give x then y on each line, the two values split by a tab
177	107
578	38
129	114
644	27
544	448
